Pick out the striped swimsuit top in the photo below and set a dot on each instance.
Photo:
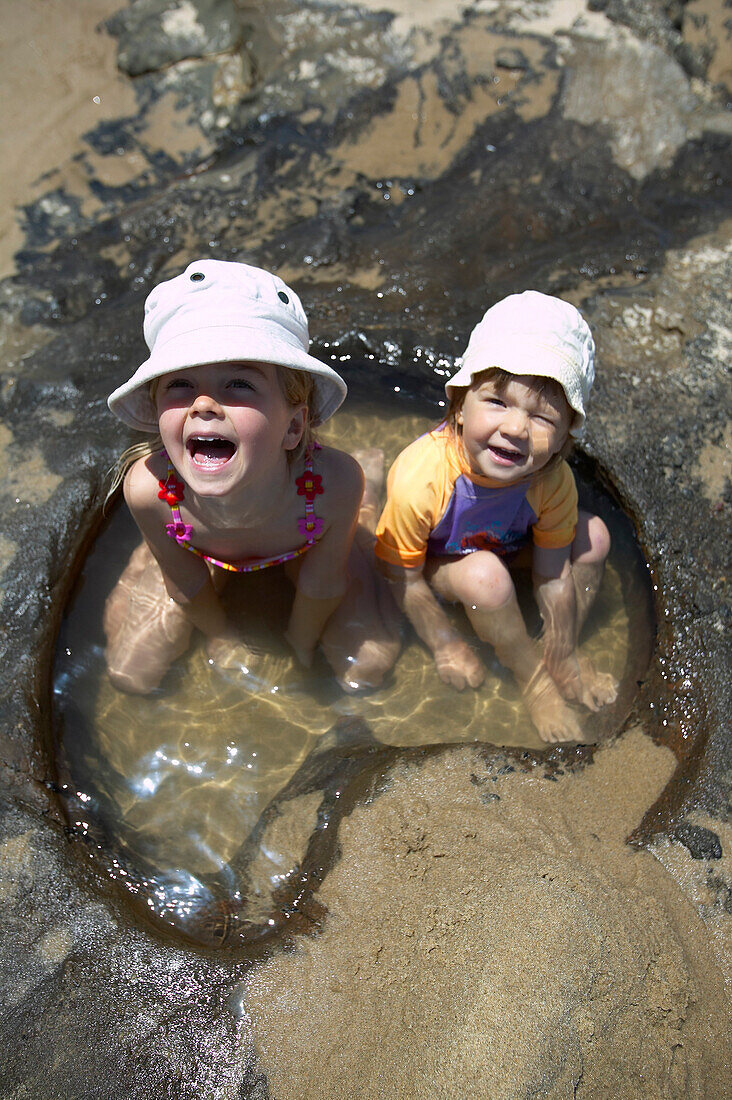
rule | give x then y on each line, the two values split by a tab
309	485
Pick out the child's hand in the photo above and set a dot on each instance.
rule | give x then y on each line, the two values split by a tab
577	678
229	651
459	665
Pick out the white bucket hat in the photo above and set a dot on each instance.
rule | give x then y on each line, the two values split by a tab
533	333
218	311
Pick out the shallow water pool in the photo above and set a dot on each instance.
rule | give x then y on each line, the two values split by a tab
203	800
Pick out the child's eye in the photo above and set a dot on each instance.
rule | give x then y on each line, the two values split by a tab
178	383
491	400
240	384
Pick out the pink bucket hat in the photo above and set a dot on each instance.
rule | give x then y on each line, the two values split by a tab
219	311
533	333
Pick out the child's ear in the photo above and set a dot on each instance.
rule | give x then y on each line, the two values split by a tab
296	427
459	418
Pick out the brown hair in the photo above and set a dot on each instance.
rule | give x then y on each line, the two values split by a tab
298	387
547	387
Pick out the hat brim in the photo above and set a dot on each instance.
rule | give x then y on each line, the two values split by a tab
525	357
132	402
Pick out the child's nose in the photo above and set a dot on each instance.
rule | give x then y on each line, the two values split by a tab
206	403
515	422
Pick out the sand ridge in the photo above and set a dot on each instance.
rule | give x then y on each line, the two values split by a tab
493	935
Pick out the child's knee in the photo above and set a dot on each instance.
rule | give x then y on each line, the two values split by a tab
592	542
487	584
599	539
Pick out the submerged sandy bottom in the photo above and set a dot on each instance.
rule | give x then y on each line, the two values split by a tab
493	935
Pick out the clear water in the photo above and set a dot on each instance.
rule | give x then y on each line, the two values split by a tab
203	800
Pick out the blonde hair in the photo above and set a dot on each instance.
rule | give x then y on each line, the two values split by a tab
298	387
547	387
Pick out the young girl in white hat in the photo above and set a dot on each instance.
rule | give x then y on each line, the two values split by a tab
233	482
465	498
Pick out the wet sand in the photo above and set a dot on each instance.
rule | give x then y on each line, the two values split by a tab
493	935
60	79
61	82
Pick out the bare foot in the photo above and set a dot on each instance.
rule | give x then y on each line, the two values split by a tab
367	668
601	686
554	720
459	665
231	653
578	679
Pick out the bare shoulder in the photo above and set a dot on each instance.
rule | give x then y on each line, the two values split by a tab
140	486
342	476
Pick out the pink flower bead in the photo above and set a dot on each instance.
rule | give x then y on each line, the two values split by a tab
181	532
310	525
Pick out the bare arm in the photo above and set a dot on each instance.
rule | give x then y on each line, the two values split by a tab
187	577
322	578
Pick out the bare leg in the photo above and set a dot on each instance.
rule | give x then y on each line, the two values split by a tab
362	638
590	549
589	553
483	585
146	630
506	631
587	578
371	461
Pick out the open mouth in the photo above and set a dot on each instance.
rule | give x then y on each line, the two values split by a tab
210	451
504	455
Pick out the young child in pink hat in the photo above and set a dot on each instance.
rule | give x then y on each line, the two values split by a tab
465	499
234	482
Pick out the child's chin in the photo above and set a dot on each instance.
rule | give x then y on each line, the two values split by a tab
210	484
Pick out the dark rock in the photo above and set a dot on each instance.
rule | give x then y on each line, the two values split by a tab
155	33
254	1085
701	843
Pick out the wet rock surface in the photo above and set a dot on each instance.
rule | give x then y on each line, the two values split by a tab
702	843
155	33
402	176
